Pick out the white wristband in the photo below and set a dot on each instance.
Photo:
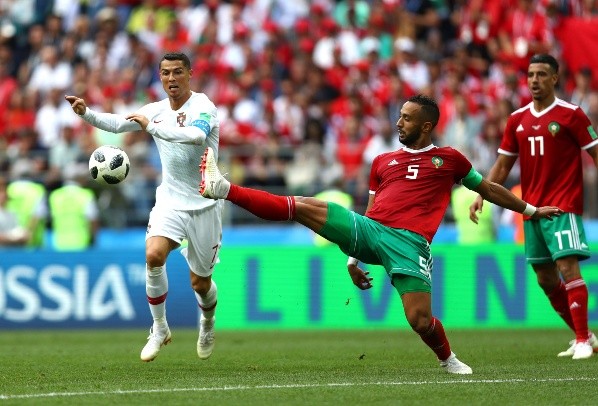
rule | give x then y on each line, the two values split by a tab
529	210
352	261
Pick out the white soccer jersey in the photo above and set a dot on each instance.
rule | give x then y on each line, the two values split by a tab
181	137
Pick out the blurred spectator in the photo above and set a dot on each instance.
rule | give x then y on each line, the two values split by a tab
11	233
581	92
28	53
288	114
65	153
467	231
27	199
376	47
326	45
52	116
110	37
412	70
51	73
74	212
304	172
149	14
461	131
385	140
349	152
27	158
525	32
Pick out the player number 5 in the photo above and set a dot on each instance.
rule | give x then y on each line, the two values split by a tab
413	170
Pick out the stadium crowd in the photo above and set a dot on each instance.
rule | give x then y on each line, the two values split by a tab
307	91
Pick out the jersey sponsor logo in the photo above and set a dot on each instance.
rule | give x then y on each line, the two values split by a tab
393	162
536	127
157	121
592	132
203	125
519	128
554	128
437	161
180	119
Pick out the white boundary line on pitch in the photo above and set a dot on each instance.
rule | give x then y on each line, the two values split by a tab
297	386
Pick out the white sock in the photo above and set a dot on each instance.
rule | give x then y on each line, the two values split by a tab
208	301
156	288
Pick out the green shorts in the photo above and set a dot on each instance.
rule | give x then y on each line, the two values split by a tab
548	240
398	251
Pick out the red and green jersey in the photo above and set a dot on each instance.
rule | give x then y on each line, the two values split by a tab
549	145
413	187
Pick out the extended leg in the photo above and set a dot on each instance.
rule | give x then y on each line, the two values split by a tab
308	211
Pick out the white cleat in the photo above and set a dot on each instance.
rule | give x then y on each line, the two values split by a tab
155	341
570	352
205	342
453	366
213	184
583	350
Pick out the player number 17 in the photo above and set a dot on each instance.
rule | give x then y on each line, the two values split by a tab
532	142
560	236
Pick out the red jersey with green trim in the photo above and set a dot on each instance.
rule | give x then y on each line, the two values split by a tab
413	187
549	145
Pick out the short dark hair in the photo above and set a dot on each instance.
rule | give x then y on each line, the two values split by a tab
547	59
177	56
429	108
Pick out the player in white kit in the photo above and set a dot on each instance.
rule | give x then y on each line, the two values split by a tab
182	126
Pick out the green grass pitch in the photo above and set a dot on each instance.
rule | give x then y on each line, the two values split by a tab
345	367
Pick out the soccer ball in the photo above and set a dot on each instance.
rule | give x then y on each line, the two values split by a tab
109	165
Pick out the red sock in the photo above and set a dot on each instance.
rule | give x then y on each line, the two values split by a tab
560	303
435	338
577	291
263	204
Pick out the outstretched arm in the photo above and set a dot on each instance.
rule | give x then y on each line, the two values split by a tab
195	133
114	123
501	196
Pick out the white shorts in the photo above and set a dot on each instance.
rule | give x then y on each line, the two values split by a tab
202	229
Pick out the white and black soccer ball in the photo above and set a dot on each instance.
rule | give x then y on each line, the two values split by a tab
109	165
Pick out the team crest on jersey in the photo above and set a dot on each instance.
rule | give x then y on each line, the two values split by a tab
554	128
180	119
437	161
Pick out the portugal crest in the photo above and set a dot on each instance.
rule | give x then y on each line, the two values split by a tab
437	161
554	128
180	119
